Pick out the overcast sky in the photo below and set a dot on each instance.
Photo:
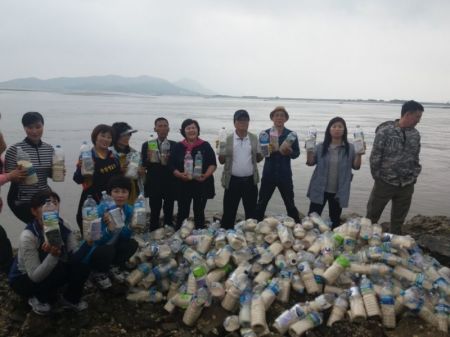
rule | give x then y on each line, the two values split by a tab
319	49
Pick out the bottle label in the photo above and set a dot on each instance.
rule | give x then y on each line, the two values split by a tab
144	268
387	300
50	219
315	318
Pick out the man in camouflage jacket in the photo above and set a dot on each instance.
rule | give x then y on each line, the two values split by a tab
394	164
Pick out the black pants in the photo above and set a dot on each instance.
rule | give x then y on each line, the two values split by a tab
74	275
116	254
334	209
6	253
239	188
156	202
286	189
184	206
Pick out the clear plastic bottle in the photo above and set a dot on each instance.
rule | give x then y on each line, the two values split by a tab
312	320
269	294
139	273
58	166
387	303
339	309
273	134
244	312
24	161
357	309
195	307
188	164
369	297
198	165
139	219
50	219
152	150
151	295
310	142
358	140
338	266
91	231
442	311
165	152
222	142
133	161
87	162
264	141
107	202
288	318
287	143
308	278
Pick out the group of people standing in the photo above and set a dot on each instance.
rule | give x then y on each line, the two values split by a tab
164	179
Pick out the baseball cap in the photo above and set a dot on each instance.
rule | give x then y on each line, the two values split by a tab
122	129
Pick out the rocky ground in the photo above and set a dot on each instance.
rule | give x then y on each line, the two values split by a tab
110	314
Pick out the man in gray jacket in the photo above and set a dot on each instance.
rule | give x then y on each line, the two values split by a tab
394	164
240	173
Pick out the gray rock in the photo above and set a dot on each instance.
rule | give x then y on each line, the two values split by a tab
432	234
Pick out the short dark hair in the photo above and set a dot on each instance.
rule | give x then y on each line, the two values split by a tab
187	122
411	106
41	197
101	128
161	119
32	117
279	108
118	181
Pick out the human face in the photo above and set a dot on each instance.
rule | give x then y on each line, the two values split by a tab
37	212
120	196
241	125
162	129
412	118
124	140
103	141
191	132
279	118
34	131
337	130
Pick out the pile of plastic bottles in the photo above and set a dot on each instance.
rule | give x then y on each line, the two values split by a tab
354	271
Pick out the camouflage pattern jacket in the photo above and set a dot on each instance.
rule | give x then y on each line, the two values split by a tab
395	154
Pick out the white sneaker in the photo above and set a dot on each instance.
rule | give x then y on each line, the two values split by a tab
38	307
101	280
65	304
116	274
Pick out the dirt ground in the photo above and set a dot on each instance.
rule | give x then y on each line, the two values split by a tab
110	314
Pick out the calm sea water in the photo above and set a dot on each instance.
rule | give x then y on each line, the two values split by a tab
69	119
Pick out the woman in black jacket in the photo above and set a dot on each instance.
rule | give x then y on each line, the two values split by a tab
191	186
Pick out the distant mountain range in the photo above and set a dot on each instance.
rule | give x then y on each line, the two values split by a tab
110	83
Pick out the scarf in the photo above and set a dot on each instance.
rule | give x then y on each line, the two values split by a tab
189	147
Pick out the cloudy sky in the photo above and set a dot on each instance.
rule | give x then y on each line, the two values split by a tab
318	49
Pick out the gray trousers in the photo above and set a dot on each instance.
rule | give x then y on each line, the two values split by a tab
381	194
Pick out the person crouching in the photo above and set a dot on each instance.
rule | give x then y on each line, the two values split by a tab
41	269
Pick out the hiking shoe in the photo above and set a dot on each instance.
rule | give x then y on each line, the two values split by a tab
116	274
65	304
101	280
39	307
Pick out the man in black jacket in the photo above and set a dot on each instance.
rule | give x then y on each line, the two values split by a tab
159	180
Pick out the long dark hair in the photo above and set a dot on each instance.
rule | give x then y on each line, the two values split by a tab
327	138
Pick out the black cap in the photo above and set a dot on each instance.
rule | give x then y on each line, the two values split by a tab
241	114
122	129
